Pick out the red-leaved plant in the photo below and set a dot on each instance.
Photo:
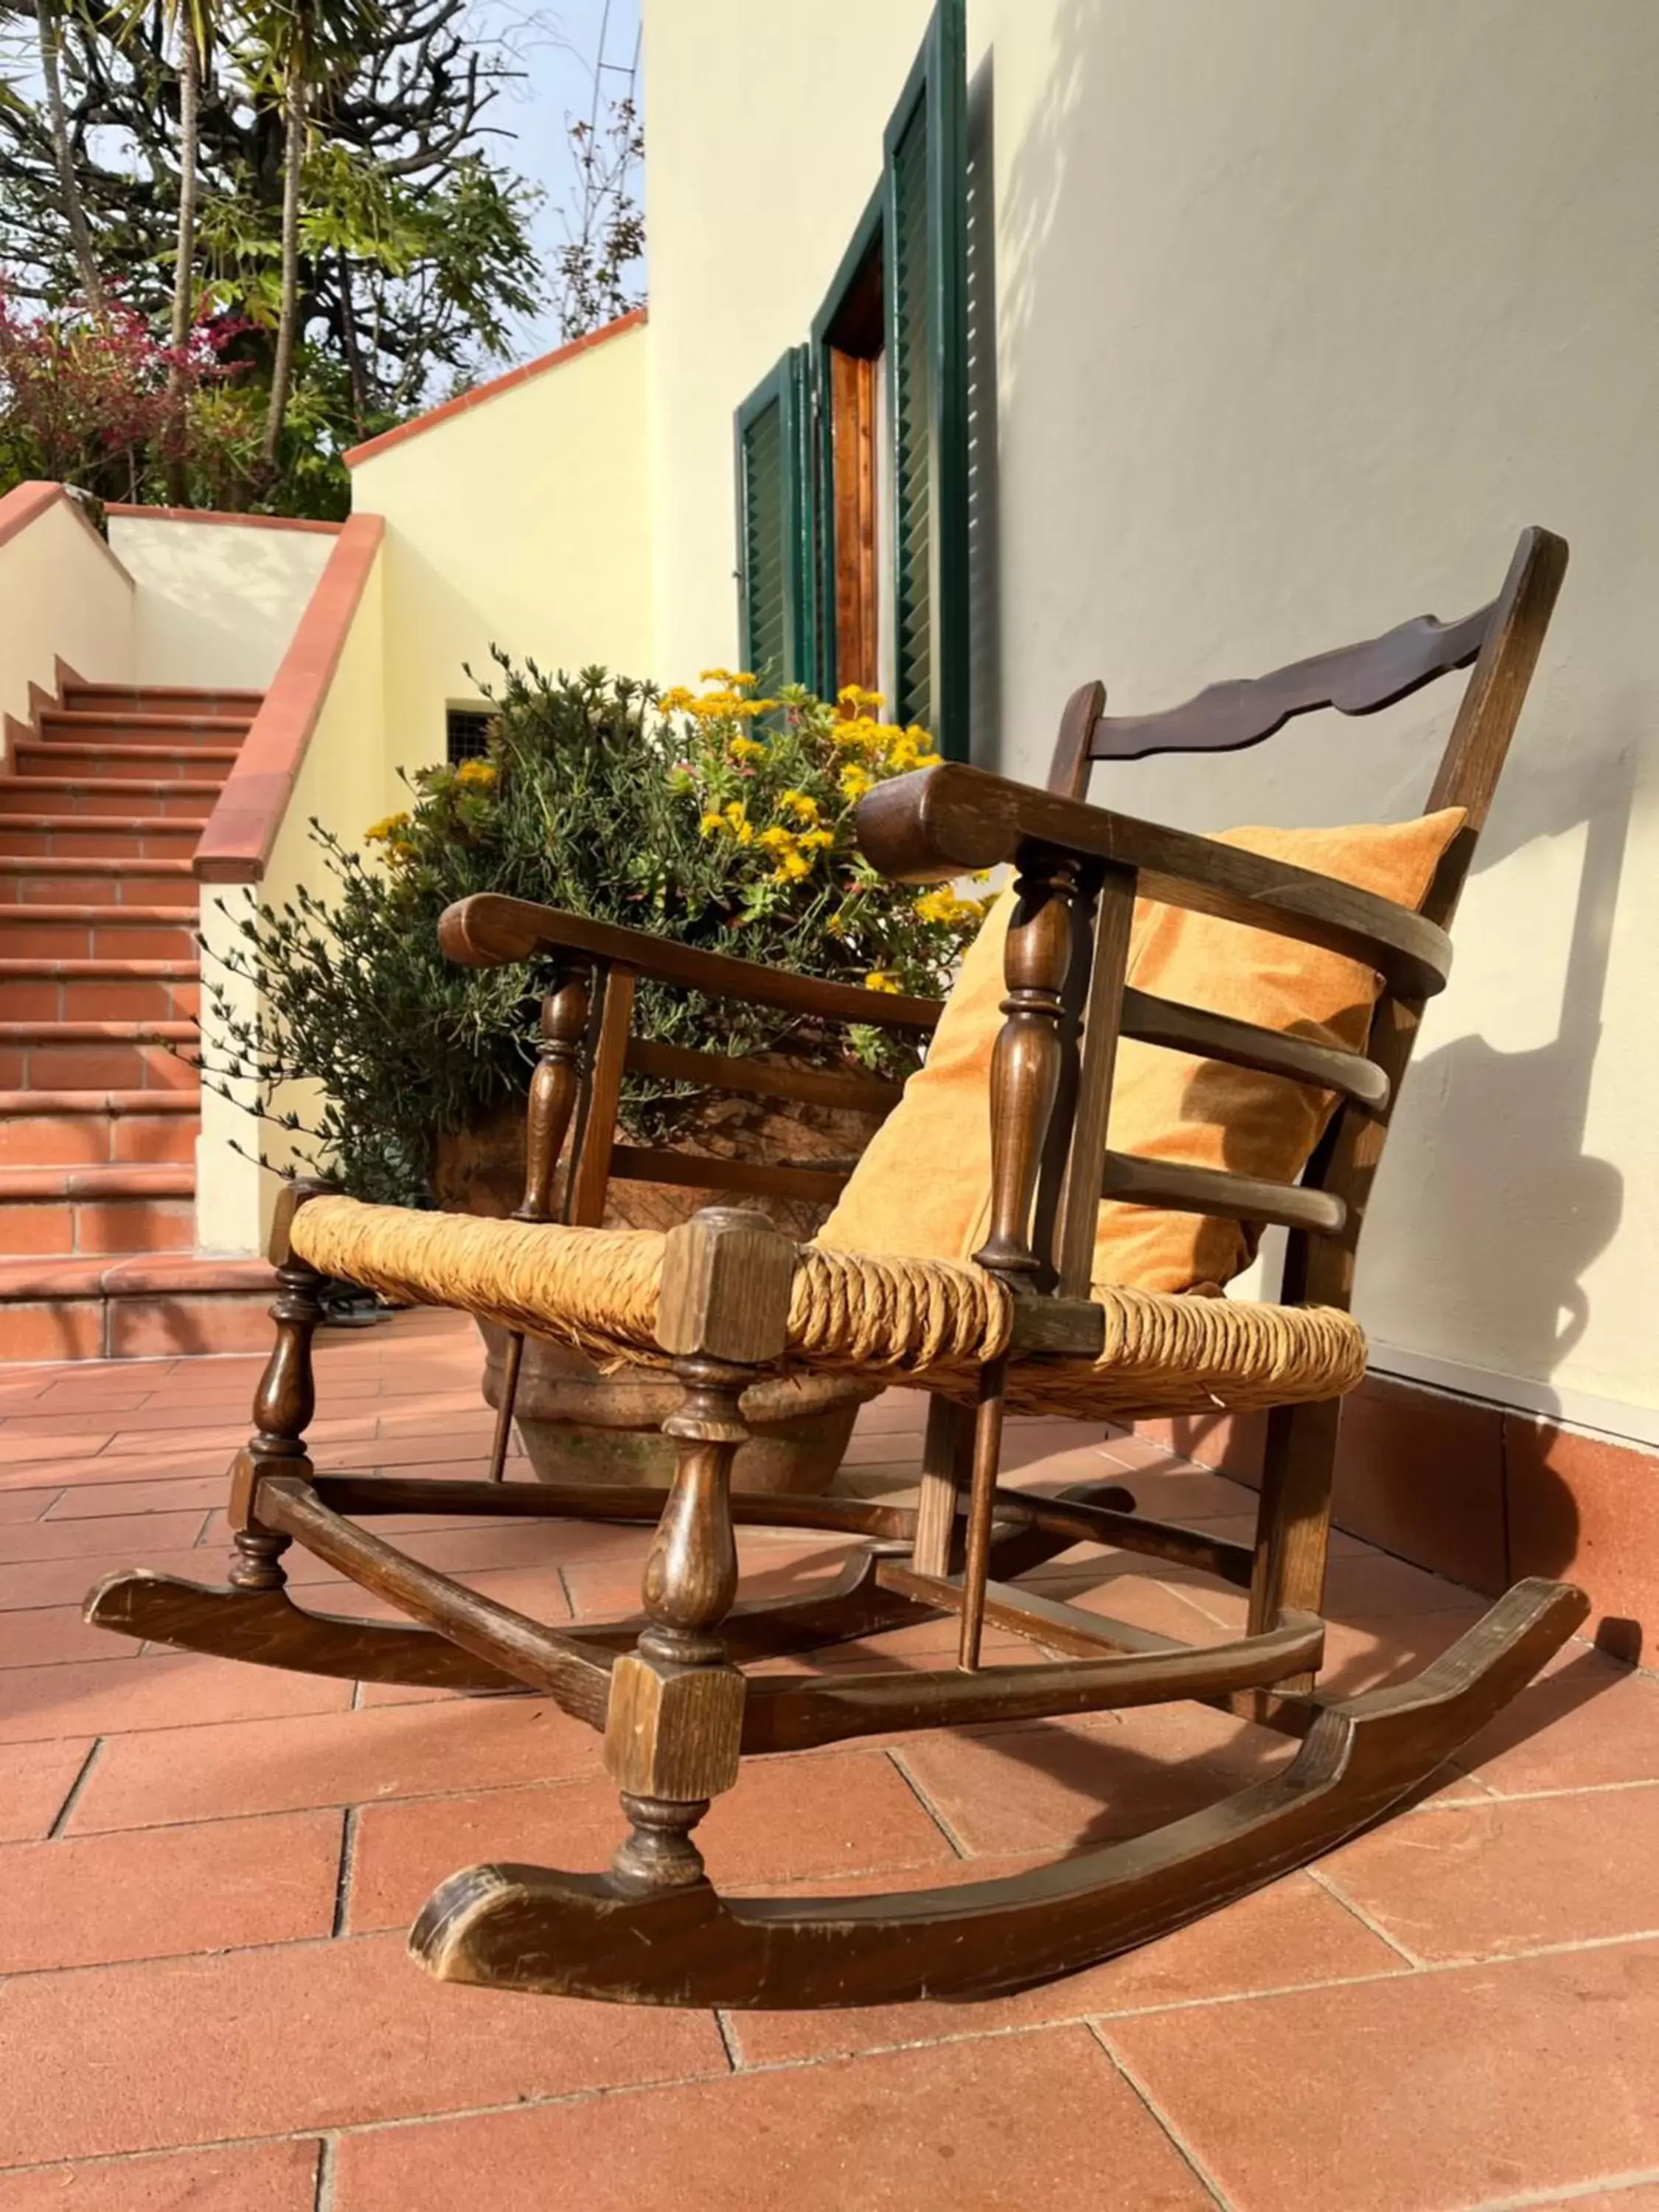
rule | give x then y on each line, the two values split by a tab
94	399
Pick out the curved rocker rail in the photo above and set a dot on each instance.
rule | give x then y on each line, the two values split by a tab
530	1929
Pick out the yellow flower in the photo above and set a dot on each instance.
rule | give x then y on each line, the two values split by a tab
790	868
853	695
676	700
712	824
740	676
855	780
736	820
835	926
878	980
389	831
801	804
777	839
817	841
743	748
475	774
715	676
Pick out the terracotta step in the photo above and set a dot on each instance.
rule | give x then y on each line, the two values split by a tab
158	698
95	1056
99	990
89	1128
155	729
202	764
128	1206
81	837
91	932
172	797
32	880
152	1306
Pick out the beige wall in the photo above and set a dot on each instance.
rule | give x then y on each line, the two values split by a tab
1302	310
217	601
344	783
522	521
61	597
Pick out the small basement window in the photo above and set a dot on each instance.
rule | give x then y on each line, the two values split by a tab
468	731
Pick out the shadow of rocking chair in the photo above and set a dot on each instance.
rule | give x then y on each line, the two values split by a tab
726	1300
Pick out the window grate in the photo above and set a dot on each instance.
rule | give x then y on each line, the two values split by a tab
468	734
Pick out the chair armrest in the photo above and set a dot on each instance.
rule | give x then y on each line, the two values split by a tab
938	823
487	931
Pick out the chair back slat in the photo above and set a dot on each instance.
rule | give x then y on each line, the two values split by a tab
1222	1194
1242	1044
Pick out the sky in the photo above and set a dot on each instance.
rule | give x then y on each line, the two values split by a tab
558	46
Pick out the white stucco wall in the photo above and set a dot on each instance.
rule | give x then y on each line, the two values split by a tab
521	521
1303	310
62	597
217	601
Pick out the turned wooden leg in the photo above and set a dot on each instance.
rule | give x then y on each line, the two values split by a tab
554	1090
675	1719
282	1407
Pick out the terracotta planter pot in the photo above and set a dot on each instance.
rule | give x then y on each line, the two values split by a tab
579	1426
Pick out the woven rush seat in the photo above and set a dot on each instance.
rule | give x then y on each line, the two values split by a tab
932	1320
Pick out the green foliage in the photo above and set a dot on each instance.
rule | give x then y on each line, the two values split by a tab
722	821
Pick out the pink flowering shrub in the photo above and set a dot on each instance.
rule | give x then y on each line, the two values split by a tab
97	401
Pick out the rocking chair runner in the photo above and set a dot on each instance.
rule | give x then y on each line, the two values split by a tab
726	1299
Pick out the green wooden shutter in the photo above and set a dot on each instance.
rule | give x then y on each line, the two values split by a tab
777	587
925	195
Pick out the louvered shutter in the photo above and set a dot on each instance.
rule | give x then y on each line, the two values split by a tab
925	177
776	585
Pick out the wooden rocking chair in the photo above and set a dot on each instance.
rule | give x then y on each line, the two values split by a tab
726	1299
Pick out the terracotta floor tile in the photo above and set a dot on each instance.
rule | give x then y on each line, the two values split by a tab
152	1465
165	1493
959	2126
53	1633
27	1504
330	1759
301	2037
17	1450
172	1690
270	2177
1056	1787
1481	1880
24	1541
33	1583
1419	2092
837	1814
34	1780
1585	1721
150	1892
1292	1934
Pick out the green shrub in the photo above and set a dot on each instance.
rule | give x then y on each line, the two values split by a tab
720	819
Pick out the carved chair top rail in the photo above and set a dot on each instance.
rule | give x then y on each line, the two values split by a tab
937	822
1354	679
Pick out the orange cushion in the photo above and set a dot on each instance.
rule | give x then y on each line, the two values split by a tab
923	1187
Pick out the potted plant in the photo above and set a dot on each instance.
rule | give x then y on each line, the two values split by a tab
720	818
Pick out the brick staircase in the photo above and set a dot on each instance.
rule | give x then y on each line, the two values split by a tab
100	815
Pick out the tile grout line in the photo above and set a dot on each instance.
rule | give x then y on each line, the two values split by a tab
323	2199
1341	1899
896	1760
1137	2089
345	1871
1570	2192
74	1789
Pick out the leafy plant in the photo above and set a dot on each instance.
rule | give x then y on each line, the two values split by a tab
719	819
91	398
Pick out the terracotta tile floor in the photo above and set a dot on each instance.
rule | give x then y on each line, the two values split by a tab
205	1870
